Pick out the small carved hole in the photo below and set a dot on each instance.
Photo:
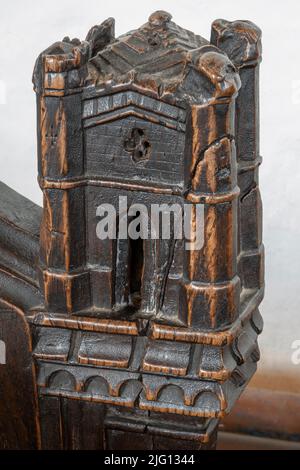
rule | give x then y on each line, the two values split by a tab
154	40
230	68
138	146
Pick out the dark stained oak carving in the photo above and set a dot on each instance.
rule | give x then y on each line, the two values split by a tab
134	344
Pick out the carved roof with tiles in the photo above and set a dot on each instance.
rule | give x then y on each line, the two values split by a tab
161	57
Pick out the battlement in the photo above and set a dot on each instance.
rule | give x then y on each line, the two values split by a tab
142	330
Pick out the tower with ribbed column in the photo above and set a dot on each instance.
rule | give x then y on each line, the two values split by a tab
145	343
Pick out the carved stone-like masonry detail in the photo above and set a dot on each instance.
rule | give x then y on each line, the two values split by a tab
126	344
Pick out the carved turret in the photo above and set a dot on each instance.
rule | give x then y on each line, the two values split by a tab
139	342
241	40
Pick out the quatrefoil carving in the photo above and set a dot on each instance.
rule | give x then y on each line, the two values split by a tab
138	145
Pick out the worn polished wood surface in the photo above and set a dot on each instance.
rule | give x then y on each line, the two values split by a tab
128	344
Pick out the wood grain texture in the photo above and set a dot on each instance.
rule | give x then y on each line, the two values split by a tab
19	421
136	344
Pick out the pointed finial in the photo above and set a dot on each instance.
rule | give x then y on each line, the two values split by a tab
160	18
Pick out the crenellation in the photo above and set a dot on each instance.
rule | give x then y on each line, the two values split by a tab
143	341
